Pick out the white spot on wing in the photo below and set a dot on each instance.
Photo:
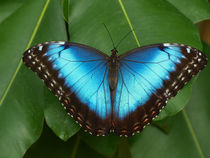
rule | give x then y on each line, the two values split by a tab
167	77
40	47
174	83
47	72
178	61
36	59
173	68
188	50
183	56
166	44
54	81
62	42
186	68
52	84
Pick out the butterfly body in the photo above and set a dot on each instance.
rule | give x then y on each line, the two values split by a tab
113	63
114	93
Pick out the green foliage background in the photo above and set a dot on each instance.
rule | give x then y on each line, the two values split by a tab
26	103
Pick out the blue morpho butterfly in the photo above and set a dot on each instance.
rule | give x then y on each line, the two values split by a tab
114	93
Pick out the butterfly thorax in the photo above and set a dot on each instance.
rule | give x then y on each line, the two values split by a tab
113	70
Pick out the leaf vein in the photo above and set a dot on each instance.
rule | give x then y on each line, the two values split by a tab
28	45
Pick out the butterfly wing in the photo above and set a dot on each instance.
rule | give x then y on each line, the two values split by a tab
78	76
147	78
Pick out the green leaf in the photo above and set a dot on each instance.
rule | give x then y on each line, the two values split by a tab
17	37
198	108
57	119
103	145
159	21
7	8
177	143
124	149
195	10
65	6
50	146
175	105
21	117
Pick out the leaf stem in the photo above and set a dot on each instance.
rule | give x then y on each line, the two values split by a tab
67	30
74	152
162	129
124	148
193	133
129	22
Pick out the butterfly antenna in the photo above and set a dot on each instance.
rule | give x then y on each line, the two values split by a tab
123	38
109	35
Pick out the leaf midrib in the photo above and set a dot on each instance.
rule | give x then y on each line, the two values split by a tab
28	45
192	131
129	22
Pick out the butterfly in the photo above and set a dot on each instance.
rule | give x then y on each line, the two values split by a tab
120	94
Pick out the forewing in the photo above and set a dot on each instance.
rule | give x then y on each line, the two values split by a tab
147	78
78	76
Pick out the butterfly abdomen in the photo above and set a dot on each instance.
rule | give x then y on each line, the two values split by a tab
113	77
113	64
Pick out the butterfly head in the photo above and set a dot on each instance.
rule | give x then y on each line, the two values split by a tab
113	59
114	52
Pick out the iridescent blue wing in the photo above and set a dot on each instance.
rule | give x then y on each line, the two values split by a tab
147	78
78	76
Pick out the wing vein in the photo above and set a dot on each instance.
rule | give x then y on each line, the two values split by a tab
126	86
139	75
84	76
59	54
141	84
